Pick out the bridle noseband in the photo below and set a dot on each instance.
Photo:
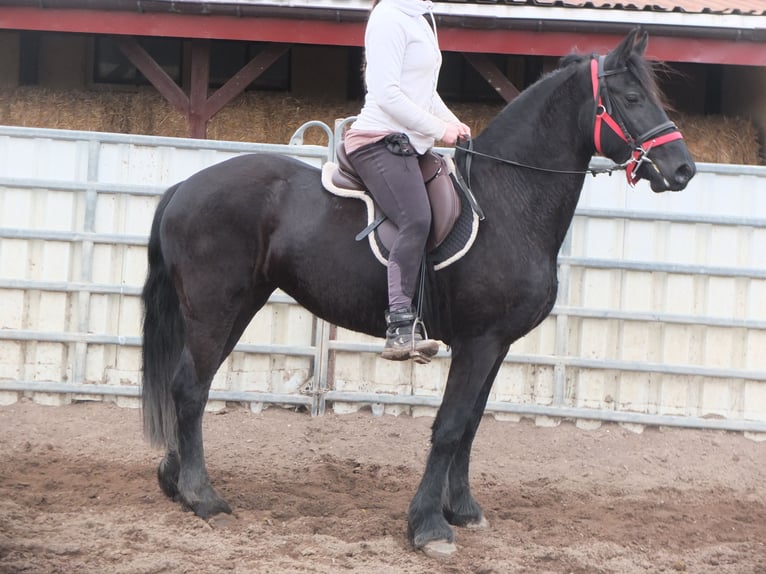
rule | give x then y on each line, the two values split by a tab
639	146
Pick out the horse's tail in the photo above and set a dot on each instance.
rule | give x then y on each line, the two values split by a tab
163	336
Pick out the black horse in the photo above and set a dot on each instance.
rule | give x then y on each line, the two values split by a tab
223	240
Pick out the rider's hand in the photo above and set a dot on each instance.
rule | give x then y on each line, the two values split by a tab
454	131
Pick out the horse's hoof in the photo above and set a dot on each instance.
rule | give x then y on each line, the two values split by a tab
211	509
439	549
480	525
167	476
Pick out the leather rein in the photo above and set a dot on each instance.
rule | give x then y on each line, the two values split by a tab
640	147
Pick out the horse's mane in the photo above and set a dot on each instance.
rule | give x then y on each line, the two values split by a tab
515	116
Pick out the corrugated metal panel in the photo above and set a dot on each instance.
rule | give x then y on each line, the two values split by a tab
661	317
75	210
240	7
690	6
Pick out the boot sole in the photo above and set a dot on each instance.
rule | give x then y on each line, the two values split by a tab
421	354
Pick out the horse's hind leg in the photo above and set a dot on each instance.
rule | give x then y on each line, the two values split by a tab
209	340
190	387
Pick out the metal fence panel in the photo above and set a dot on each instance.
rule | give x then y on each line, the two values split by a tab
661	315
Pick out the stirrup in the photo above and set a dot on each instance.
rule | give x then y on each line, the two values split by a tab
424	349
406	338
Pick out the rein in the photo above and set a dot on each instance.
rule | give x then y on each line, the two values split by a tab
639	151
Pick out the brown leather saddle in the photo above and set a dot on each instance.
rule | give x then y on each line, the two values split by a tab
445	203
455	213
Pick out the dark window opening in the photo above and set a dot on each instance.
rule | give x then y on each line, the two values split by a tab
459	80
713	89
229	57
29	58
111	66
355	83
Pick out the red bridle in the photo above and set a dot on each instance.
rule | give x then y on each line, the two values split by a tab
640	146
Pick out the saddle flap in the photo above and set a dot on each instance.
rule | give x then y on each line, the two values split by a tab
431	164
445	203
345	176
444	199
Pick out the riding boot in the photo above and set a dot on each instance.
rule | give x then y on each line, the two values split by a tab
404	340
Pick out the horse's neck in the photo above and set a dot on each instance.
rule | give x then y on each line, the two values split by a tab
541	129
544	119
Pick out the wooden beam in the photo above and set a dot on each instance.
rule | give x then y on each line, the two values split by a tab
334	33
165	85
493	75
239	81
197	108
200	80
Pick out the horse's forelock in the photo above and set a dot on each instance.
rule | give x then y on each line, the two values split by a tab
641	68
645	72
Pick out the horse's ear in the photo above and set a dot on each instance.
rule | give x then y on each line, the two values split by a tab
634	42
640	41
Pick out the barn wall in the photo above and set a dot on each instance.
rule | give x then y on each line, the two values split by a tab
66	63
661	316
685	87
745	96
9	59
319	70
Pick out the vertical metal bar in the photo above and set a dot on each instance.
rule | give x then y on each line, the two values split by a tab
86	262
324	331
561	345
321	366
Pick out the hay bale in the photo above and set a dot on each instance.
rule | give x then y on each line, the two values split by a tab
273	117
720	139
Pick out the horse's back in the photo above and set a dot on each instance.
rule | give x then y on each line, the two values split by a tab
250	173
242	188
264	219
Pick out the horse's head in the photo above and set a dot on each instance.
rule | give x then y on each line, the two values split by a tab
631	126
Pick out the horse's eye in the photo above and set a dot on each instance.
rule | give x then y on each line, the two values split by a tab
632	97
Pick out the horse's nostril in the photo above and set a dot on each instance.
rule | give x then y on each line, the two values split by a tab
685	173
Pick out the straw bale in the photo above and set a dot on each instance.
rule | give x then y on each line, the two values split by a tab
720	139
273	117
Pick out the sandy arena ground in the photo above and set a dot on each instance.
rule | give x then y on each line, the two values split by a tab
326	495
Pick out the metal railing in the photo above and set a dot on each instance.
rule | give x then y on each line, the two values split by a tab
319	391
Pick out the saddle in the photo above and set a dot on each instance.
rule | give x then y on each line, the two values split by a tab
454	223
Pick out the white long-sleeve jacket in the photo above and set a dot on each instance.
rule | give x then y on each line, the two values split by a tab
403	62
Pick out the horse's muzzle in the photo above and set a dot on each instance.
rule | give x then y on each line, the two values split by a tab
677	180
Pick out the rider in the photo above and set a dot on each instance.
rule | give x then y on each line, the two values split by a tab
401	118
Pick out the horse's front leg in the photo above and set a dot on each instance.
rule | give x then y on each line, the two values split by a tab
460	507
472	363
